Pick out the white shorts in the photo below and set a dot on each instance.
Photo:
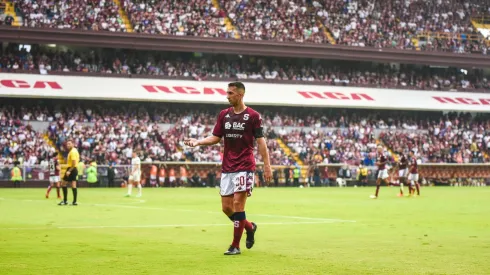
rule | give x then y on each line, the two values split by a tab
54	179
183	179
171	179
383	174
153	177
136	177
232	183
414	177
403	173
161	180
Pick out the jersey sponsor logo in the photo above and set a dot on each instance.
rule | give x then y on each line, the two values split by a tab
227	125
238	126
234	136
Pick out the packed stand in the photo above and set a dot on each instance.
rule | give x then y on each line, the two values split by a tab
394	23
351	146
113	138
453	139
218	67
283	21
94	15
182	18
20	142
107	131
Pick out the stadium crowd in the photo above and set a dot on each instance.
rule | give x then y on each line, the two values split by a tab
437	25
19	141
182	18
220	67
108	132
94	15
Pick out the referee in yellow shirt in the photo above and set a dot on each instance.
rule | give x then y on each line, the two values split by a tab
71	173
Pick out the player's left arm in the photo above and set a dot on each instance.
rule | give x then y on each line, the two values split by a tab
262	147
264	152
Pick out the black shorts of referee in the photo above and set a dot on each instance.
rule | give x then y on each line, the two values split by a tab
72	177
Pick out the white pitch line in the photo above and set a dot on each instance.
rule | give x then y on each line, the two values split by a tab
208	212
302	218
157	225
220	213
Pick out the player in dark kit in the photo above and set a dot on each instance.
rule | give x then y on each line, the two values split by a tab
381	161
238	125
403	174
54	175
414	174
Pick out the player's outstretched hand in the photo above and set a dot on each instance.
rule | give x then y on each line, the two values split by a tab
268	174
192	142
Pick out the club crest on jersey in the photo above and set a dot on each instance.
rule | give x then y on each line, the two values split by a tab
245	117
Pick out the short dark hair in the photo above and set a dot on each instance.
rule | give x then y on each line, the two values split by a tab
238	85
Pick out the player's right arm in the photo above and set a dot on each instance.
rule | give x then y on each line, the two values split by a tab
211	140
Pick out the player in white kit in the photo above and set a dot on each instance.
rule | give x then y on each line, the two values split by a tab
135	175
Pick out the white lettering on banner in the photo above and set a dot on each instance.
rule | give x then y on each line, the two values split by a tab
158	90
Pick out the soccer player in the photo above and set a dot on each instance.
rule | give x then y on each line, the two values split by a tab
381	161
71	174
403	173
54	176
135	175
414	174
238	125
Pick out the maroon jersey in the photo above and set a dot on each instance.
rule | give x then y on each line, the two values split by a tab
238	131
413	166
403	162
53	170
381	158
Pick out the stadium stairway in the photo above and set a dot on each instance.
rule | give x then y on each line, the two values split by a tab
288	151
10	10
124	16
51	143
327	32
482	24
228	22
415	42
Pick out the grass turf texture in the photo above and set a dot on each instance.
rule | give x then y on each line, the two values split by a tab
446	231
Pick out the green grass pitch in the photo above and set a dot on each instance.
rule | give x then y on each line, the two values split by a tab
301	231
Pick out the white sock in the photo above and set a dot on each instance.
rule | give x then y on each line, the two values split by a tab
130	189
139	188
401	187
